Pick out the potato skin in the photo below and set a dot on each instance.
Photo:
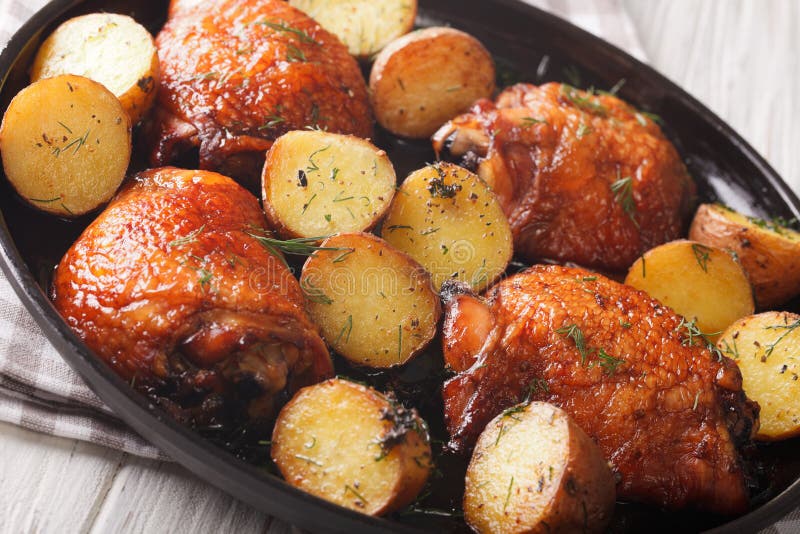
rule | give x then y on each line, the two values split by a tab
421	80
765	347
339	434
771	259
558	480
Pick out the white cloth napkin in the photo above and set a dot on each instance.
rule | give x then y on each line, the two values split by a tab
39	391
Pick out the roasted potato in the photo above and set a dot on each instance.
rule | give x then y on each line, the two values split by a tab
448	219
365	26
374	305
317	184
66	144
351	445
111	49
767	348
768	250
423	79
704	284
535	471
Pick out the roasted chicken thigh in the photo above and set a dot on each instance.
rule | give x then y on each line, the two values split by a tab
669	414
170	287
236	74
582	177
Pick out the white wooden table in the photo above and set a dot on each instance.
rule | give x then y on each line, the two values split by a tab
740	57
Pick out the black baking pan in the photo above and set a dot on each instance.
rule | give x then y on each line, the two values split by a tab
529	45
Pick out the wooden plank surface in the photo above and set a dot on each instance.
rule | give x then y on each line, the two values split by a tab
738	56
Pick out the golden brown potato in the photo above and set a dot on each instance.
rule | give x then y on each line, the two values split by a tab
374	305
365	26
704	284
768	251
351	445
111	49
66	144
448	219
535	471
767	348
423	79
317	184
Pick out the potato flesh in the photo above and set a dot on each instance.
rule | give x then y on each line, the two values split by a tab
533	470
66	144
317	184
327	441
767	349
374	305
769	253
111	49
701	283
465	236
423	79
365	26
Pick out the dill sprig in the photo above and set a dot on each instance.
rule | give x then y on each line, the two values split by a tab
702	255
788	327
574	333
285	28
314	293
301	246
609	363
622	188
693	334
585	103
189	238
531	121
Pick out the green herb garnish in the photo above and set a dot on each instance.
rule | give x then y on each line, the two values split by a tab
189	238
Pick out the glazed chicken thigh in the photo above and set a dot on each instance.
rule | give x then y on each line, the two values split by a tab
170	287
583	178
668	413
236	74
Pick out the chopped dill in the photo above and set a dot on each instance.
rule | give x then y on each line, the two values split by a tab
574	333
313	293
312	165
701	254
609	363
788	327
531	121
622	189
285	28
341	257
189	238
346	330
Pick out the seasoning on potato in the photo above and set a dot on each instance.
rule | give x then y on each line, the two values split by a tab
65	144
427	77
353	446
365	26
769	251
448	219
767	349
535	471
704	284
374	305
108	48
317	183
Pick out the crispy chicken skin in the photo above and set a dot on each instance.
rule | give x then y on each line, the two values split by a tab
669	414
170	289
583	178
236	74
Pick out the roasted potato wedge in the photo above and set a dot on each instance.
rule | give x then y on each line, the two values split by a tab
448	219
111	49
66	144
317	183
768	251
374	305
365	26
703	283
427	77
535	471
351	445
767	348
